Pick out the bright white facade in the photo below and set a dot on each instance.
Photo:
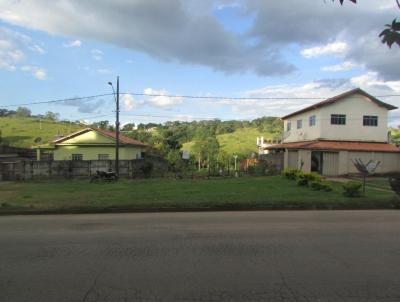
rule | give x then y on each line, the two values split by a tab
354	107
329	136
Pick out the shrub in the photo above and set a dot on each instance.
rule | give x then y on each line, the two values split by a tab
291	174
352	189
316	185
303	179
395	184
326	187
321	186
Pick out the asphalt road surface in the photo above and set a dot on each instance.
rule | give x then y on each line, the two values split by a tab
217	256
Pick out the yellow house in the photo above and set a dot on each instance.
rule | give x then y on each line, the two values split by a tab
93	144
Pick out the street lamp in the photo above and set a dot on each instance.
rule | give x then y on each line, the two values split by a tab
116	97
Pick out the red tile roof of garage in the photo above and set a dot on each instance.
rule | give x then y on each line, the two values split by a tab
337	146
122	138
340	97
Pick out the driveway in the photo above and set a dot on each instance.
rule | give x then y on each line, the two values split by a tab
217	256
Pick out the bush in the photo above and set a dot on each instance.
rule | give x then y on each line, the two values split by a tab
316	185
291	174
326	187
303	179
352	189
395	184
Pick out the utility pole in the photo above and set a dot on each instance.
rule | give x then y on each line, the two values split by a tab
117	132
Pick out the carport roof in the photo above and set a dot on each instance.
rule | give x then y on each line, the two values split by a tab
324	145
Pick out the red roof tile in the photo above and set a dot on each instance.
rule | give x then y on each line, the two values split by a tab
340	97
122	138
337	146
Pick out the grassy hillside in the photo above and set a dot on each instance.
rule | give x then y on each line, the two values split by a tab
242	141
21	132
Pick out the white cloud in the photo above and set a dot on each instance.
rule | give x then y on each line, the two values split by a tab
337	48
13	49
103	71
74	43
40	74
37	72
97	54
130	103
345	66
37	49
160	98
315	91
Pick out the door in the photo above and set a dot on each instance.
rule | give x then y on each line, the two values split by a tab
293	159
316	162
330	163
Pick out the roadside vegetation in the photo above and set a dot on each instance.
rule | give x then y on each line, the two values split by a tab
270	192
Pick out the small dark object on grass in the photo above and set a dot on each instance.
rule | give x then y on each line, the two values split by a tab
103	175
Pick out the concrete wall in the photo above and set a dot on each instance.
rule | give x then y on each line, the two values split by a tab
26	170
354	107
341	163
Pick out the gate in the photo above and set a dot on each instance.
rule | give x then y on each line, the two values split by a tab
330	163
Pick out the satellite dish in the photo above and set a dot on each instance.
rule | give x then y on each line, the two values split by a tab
37	140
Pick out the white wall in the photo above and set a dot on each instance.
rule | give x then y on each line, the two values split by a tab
306	133
354	107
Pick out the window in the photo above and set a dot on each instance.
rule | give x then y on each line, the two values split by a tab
370	120
103	156
312	120
77	157
299	124
338	119
289	126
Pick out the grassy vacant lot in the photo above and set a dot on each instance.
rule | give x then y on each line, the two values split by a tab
21	132
242	141
273	192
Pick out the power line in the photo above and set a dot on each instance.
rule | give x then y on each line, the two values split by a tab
90	98
93	97
189	117
240	98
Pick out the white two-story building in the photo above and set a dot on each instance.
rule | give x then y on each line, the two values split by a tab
328	136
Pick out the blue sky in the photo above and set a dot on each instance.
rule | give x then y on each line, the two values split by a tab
213	48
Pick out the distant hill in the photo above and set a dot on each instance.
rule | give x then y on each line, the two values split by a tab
22	131
241	142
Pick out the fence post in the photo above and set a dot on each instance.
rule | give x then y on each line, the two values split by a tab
90	168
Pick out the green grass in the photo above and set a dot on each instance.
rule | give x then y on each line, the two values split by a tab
242	141
21	132
273	192
375	182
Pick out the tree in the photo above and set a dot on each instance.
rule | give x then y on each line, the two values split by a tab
102	125
52	116
128	127
23	112
391	34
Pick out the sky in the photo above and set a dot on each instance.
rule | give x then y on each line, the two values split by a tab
300	48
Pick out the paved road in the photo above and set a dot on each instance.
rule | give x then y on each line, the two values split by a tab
224	256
